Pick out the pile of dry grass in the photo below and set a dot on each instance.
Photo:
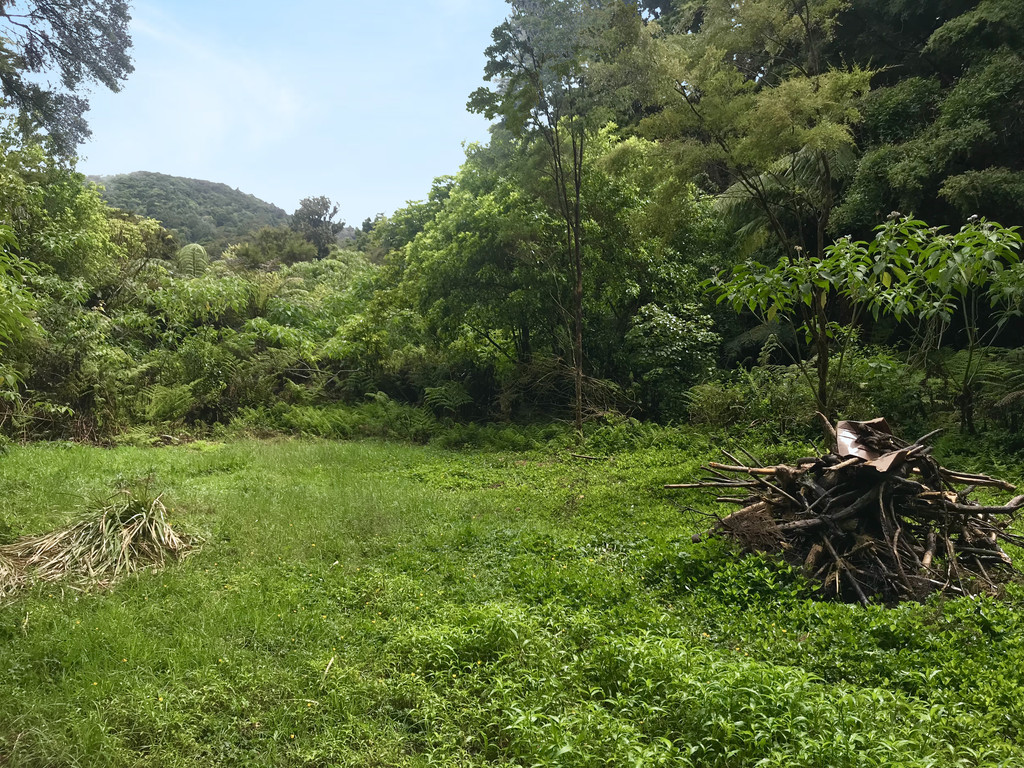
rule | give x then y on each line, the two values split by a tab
11	577
127	535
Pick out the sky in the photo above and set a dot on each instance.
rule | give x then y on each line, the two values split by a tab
364	102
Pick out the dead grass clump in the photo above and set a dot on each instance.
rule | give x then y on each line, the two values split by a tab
128	535
11	578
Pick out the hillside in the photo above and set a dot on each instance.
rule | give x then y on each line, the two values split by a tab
198	211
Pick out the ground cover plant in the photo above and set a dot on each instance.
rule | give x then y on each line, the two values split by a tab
373	604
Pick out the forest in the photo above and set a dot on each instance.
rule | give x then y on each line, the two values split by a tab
688	212
212	215
433	475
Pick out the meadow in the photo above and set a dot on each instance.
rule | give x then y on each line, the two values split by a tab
383	604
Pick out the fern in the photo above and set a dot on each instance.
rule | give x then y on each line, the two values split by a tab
1003	380
262	288
192	260
449	397
163	403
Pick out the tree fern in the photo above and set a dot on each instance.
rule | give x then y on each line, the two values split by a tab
167	403
192	260
792	186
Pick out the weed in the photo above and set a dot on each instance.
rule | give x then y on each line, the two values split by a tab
376	603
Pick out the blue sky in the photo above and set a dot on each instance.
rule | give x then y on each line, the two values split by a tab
361	101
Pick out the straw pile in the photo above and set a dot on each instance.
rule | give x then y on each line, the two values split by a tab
876	517
129	534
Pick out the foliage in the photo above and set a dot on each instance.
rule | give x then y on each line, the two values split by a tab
775	398
940	134
637	149
192	260
671	353
544	60
314	220
213	215
81	43
908	271
15	302
912	271
270	247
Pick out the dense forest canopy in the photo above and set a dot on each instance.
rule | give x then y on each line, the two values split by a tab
736	214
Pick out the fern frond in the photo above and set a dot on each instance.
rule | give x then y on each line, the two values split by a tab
192	260
449	397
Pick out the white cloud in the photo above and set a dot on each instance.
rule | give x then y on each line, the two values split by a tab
216	100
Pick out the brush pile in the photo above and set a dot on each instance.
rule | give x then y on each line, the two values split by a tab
128	535
876	517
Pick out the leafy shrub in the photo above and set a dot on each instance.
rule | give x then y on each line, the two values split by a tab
670	352
775	398
715	567
873	382
379	417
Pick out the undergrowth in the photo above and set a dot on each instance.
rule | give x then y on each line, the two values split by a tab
370	604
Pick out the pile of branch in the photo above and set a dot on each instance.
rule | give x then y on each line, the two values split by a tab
876	517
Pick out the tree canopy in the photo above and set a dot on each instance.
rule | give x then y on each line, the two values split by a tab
70	44
818	164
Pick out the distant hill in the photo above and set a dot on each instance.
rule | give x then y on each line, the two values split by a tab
198	211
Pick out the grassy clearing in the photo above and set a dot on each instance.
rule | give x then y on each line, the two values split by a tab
376	604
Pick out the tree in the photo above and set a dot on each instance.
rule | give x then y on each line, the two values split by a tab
79	41
769	124
970	281
909	271
480	265
272	246
543	61
942	134
314	220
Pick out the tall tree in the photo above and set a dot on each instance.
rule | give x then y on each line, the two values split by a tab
769	123
942	135
314	220
542	63
78	41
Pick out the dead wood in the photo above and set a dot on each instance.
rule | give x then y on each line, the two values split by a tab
878	518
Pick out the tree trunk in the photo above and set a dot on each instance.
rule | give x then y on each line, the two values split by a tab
577	293
577	351
821	294
822	351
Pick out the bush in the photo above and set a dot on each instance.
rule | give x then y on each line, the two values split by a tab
379	417
778	398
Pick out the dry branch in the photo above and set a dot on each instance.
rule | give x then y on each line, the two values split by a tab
877	518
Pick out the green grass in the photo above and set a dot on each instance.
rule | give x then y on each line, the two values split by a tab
367	604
